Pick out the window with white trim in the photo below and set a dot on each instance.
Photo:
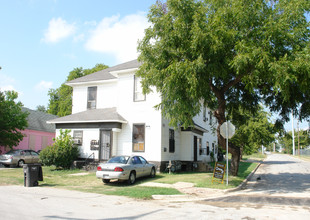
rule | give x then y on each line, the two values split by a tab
138	94
78	137
138	137
91	97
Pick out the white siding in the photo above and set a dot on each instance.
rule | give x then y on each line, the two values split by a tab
209	136
79	99
119	93
138	112
186	146
106	95
166	155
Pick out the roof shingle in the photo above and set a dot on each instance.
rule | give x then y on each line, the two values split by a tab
93	115
106	73
37	120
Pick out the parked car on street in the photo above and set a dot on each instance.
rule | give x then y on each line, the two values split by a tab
125	168
19	157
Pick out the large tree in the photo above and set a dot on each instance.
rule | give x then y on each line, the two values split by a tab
12	119
60	101
228	54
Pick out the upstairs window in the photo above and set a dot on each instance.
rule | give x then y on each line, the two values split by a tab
205	114
92	97
138	137
210	120
138	94
171	141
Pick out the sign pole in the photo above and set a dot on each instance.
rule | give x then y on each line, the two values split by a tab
224	130
227	154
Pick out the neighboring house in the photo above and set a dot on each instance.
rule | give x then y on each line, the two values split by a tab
38	134
110	116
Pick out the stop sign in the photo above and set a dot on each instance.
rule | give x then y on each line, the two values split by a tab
229	127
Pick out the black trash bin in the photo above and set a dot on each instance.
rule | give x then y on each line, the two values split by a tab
32	174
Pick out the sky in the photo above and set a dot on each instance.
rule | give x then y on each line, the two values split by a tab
43	40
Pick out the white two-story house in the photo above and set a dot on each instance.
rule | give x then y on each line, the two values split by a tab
111	116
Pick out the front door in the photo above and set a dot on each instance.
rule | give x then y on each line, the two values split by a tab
195	148
105	144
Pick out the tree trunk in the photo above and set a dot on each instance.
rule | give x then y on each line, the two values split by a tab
220	115
234	150
235	159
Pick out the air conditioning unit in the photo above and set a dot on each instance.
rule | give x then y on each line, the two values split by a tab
77	141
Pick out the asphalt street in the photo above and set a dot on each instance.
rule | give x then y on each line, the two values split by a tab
281	180
278	190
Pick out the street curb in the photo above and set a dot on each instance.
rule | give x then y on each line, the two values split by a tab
245	181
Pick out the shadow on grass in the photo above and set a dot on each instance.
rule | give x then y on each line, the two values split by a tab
47	185
139	181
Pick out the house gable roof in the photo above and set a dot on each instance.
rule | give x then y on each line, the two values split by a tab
106	73
37	120
89	116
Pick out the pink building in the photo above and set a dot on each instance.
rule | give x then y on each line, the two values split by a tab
38	134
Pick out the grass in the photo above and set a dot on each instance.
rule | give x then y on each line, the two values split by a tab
87	181
303	157
256	156
205	179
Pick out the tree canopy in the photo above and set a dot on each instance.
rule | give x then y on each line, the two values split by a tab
41	108
301	139
228	54
252	130
12	119
60	99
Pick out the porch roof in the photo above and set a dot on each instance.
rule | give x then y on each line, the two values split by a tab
195	129
91	116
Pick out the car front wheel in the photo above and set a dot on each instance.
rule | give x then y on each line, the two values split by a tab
21	163
132	178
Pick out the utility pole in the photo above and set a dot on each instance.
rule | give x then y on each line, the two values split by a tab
298	136
293	134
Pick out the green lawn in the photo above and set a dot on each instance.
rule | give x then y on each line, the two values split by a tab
303	157
256	156
87	181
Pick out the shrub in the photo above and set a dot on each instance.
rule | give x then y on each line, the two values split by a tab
62	153
47	156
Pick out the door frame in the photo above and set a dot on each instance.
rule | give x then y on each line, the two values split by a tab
100	144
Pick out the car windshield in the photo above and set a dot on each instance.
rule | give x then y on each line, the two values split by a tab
120	159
